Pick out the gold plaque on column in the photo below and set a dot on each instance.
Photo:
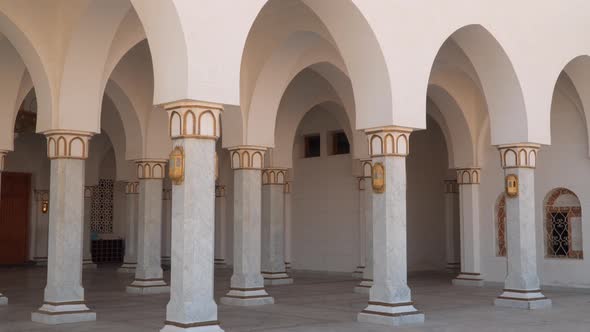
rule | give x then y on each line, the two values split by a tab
511	185
378	178
176	166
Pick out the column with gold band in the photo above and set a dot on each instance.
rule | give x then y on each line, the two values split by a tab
87	262
220	226
149	277
131	200
194	128
451	191
522	288
247	284
364	287
64	296
468	182
287	188
3	153
390	300
273	227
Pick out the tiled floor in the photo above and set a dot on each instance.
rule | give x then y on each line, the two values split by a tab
316	302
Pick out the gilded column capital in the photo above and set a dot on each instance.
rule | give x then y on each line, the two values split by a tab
247	157
389	141
88	191
220	190
151	168
274	176
451	186
468	175
194	119
132	188
67	144
522	155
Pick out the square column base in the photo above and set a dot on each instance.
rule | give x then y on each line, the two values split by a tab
364	287
180	328
148	287
395	314
220	263
523	299
358	273
277	278
453	267
287	266
53	314
3	300
468	279
247	297
127	268
89	265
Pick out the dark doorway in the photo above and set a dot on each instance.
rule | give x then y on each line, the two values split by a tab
14	217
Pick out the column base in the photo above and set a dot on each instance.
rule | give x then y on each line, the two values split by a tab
220	262
246	297
63	313
391	314
166	261
358	273
192	327
468	279
3	300
364	287
148	287
453	267
88	264
523	299
40	261
287	266
276	278
127	268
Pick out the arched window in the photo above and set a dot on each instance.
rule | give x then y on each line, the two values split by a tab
501	226
563	224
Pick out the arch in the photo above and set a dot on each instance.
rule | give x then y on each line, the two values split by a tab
563	224
132	127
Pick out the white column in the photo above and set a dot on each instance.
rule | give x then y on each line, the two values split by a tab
166	226
3	299
288	224
64	295
131	200
451	191
366	283
247	285
273	227
87	262
41	200
362	239
390	300
194	129
149	277
470	274
522	288
220	226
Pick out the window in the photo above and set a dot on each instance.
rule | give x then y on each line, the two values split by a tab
501	226
563	225
340	143
312	146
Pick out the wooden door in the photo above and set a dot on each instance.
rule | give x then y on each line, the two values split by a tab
14	217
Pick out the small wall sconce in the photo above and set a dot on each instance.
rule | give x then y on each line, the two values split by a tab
45	206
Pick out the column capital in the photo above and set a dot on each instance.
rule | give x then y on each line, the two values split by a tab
166	194
451	186
41	195
67	144
522	155
151	168
132	188
247	157
366	167
88	191
3	154
389	141
361	182
194	119
468	175
287	187
274	176
219	190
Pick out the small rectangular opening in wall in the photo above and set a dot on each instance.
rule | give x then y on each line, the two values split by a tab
339	144
312	146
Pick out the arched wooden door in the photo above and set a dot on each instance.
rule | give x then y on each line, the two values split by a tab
14	217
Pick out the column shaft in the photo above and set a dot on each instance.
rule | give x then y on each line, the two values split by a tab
87	262
288	225
450	197
362	239
166	227
131	202
364	287
220	226
3	299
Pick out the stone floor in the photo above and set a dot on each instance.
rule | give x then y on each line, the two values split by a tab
316	302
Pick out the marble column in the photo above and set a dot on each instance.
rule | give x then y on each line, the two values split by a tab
247	284
358	273
166	227
149	277
194	128
273	227
451	191
288	225
390	301
3	299
366	283
87	262
522	288
41	199
131	200
64	296
468	181
220	226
